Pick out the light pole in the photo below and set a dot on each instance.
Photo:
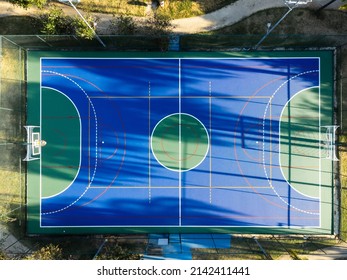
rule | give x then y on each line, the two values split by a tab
326	5
86	22
290	8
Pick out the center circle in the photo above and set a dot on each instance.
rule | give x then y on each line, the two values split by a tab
180	142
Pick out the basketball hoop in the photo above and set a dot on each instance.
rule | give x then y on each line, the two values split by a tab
34	143
40	143
302	2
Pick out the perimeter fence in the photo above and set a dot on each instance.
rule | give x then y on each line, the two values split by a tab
341	120
12	118
13	92
179	42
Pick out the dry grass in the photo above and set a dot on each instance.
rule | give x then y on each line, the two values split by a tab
343	181
172	8
11	179
299	21
245	248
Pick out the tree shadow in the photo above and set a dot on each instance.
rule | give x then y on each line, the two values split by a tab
137	3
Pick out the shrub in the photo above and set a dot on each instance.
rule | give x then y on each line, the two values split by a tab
29	3
49	252
54	22
122	25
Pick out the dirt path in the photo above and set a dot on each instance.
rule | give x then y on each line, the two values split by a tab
228	15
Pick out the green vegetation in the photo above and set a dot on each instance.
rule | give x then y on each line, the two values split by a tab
299	21
154	25
342	152
112	250
29	3
49	252
246	248
171	9
123	25
12	178
3	256
343	192
81	248
55	22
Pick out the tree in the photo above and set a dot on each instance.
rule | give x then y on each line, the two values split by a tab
122	25
344	6
3	256
29	3
49	252
82	30
159	28
113	251
54	22
158	25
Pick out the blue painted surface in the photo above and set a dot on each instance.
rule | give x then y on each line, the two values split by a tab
120	182
181	248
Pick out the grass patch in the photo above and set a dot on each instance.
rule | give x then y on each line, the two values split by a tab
242	248
18	25
343	193
172	8
293	247
299	21
12	180
245	248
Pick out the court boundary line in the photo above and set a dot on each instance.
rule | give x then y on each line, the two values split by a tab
233	58
95	116
179	143
280	165
210	124
320	140
80	142
264	120
40	167
149	144
182	97
185	187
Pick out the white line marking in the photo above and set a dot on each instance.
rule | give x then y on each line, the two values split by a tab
320	151
279	146
179	144
210	125
264	120
96	142
149	144
80	161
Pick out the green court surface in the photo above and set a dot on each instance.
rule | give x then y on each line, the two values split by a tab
229	143
61	155
180	142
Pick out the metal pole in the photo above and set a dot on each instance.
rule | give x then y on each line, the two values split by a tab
86	22
326	5
275	25
278	22
100	248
